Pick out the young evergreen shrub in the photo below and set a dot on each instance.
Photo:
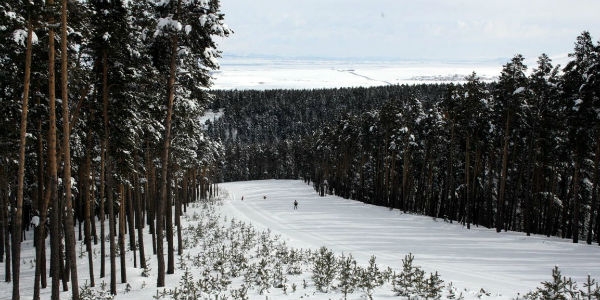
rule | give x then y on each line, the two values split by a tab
241	293
88	293
560	288
590	290
324	269
434	286
370	278
294	262
451	289
279	279
404	283
347	275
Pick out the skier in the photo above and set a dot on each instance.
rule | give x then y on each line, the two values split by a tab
295	204
242	198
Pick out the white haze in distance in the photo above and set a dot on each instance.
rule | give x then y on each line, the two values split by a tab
437	30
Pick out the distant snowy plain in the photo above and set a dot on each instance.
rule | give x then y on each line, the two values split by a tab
244	73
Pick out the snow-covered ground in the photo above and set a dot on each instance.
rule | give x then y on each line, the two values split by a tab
503	263
277	73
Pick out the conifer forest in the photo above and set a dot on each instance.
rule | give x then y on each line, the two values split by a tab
102	139
100	121
520	153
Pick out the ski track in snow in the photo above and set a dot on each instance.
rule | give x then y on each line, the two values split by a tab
365	77
504	263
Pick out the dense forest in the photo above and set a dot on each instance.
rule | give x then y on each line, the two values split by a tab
100	125
521	153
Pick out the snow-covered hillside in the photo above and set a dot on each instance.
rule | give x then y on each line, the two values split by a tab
261	235
504	264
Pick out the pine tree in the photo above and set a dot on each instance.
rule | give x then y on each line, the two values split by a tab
347	275
560	288
370	278
582	118
590	290
510	93
324	269
406	282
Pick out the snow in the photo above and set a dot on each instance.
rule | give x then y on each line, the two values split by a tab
503	264
167	24
577	104
312	73
20	37
519	90
211	115
35	221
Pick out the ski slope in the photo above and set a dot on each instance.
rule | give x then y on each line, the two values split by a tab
505	264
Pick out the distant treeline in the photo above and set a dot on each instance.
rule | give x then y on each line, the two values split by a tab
518	154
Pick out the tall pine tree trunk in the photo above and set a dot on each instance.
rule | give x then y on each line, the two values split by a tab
503	173
169	227
178	202
130	223
40	237
594	205
3	222
69	219
103	163
52	164
575	224
6	239
18	219
139	221
111	231
122	218
160	213
5	228
88	214
467	180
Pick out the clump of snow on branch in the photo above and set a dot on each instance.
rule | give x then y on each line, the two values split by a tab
162	2
211	54
35	221
20	37
519	90
166	24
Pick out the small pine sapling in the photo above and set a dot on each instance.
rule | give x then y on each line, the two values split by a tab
434	286
451	290
559	288
590	290
324	269
370	278
347	276
405	282
241	293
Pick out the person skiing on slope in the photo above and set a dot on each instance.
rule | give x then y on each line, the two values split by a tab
295	204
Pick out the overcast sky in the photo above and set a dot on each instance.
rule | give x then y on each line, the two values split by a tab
407	30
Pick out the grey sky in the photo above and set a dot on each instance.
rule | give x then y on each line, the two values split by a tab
415	29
